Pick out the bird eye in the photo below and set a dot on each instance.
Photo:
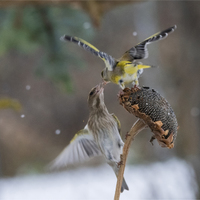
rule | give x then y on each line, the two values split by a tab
91	93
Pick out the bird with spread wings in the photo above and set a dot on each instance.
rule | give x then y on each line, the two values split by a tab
126	69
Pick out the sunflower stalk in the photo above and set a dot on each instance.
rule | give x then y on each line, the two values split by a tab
137	127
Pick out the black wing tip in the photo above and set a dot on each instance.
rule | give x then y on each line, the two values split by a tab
165	33
171	29
174	28
65	37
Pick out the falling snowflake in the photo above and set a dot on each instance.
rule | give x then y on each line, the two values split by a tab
86	25
57	132
28	87
134	33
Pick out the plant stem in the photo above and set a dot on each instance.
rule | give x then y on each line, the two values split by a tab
138	126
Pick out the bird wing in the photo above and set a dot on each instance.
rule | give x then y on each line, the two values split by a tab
118	123
81	148
140	51
109	60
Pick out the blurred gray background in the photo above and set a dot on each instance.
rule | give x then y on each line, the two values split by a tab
44	83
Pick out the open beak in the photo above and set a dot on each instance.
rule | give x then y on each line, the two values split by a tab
100	87
105	82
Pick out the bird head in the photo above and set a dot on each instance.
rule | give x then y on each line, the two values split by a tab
104	74
96	97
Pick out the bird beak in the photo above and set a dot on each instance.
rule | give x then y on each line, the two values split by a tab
105	83
100	87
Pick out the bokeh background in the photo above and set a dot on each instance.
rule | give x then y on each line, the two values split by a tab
44	83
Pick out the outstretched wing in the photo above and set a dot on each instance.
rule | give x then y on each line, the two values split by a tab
81	148
140	50
109	60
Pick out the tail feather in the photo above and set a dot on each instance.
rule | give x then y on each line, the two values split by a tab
144	66
116	170
124	186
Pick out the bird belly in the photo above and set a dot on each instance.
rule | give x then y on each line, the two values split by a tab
112	149
126	78
109	141
129	78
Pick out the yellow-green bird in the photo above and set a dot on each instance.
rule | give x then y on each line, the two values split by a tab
126	69
100	136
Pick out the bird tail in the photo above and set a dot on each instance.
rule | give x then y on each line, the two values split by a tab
124	185
145	66
116	170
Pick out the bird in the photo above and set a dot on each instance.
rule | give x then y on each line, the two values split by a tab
100	137
126	69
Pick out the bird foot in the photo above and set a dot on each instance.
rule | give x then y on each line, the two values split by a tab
120	162
152	139
136	86
127	135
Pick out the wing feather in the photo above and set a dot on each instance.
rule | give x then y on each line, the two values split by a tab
81	148
109	60
140	51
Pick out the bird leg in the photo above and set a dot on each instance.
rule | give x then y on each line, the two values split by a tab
121	84
152	139
127	135
120	162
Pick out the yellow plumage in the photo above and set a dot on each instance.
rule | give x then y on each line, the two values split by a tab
126	69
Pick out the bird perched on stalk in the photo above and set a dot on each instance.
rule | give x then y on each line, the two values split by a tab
126	69
101	136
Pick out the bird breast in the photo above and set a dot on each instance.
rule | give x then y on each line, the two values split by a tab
105	131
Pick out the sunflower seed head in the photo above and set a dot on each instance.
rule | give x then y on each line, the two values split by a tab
149	105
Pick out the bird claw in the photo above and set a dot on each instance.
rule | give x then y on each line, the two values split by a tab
152	139
127	135
120	162
136	86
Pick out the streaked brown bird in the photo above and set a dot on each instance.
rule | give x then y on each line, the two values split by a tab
101	136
